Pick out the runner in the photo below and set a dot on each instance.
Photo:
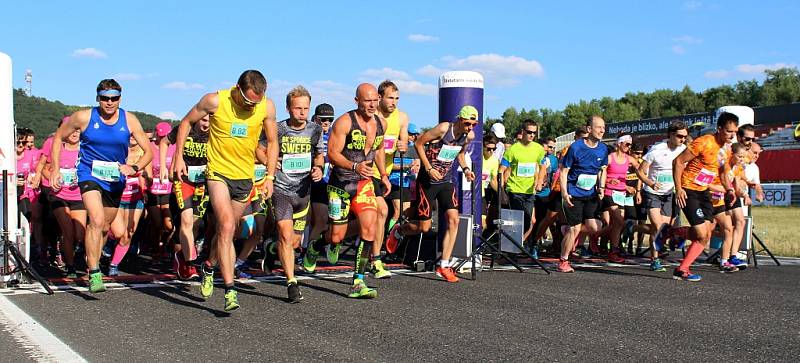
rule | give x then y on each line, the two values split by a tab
409	172
438	148
693	170
159	190
237	117
355	143
101	169
190	194
28	193
658	194
395	138
582	167
489	172
302	162
131	207
518	169
636	225
725	213
745	136
67	205
499	131
546	181
323	116
618	194
752	172
253	219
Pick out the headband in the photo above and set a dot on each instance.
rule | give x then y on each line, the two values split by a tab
625	138
109	93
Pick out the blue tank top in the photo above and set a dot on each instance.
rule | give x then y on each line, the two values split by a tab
549	178
101	146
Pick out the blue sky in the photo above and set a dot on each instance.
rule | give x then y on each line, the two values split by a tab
167	54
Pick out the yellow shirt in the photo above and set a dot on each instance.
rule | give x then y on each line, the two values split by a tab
489	172
390	139
233	137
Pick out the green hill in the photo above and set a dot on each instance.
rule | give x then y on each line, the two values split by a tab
42	115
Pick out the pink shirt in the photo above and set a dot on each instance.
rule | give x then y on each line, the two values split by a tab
69	178
26	167
616	171
133	189
159	188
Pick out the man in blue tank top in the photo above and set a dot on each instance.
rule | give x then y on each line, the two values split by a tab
105	133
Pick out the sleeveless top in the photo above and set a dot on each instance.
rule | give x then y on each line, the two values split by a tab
355	144
549	180
441	155
103	149
618	171
390	139
232	138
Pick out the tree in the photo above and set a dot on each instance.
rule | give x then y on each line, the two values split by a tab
782	86
716	97
748	93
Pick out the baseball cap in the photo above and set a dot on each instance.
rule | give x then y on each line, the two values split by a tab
323	110
413	129
468	112
163	128
498	130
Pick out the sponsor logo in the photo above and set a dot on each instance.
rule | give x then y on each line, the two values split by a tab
699	213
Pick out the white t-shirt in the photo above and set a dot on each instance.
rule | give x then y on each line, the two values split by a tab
660	158
498	153
752	173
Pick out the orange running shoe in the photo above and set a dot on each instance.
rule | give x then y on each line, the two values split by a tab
446	273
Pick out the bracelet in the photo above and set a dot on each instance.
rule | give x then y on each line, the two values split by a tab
270	177
464	169
355	165
429	169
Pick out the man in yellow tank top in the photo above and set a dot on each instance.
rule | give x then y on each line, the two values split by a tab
395	139
238	116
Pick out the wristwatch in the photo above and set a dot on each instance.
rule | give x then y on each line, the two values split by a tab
135	167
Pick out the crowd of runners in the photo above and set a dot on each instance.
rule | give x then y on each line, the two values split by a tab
231	185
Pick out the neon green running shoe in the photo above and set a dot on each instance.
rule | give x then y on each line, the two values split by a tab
96	282
231	300
332	252
310	259
379	271
207	284
359	290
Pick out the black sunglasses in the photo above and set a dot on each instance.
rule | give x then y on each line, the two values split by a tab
748	138
531	132
107	98
491	148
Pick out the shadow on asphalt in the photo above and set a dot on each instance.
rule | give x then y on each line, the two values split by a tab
161	293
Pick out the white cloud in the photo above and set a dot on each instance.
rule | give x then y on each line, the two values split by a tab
402	79
168	115
720	73
89	53
678	49
687	39
384	73
416	87
127	77
760	68
421	38
180	85
497	69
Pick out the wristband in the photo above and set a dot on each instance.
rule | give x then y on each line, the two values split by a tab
270	177
135	168
355	165
464	169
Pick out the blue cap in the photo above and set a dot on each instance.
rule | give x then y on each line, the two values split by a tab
413	129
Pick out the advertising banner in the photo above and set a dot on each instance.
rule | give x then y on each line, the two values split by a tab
775	195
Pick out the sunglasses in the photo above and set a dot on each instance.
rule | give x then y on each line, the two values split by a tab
531	132
247	102
109	98
626	144
681	136
326	119
748	138
470	124
550	147
491	148
21	142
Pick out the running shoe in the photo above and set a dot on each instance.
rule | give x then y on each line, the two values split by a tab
192	271
685	275
446	273
207	284
240	271
627	231
113	270
393	239
181	267
727	266
96	282
739	263
310	259
108	249
231	300
660	238
657	266
71	273
294	293
359	290
585	253
270	256
332	252
379	271
564	266
614	257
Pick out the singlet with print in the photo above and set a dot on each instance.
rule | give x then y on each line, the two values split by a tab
701	171
297	149
103	148
441	154
233	137
355	144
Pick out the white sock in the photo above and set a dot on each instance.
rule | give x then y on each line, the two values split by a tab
444	263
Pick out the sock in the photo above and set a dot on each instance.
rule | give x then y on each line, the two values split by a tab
271	248
119	254
207	268
444	263
318	245
239	262
94	271
361	260
691	255
228	288
722	261
293	280
391	224
376	258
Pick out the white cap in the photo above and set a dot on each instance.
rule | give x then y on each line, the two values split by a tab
499	130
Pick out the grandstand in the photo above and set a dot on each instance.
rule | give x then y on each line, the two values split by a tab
780	138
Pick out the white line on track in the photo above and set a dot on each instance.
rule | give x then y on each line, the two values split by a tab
34	338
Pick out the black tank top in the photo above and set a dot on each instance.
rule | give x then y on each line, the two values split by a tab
354	146
441	155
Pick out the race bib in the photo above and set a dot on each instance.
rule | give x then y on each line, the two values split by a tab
716	197
664	178
704	177
484	180
448	153
105	170
629	201
260	172
69	176
160	186
618	197
296	163
197	174
238	130
526	170
389	143
586	181
335	208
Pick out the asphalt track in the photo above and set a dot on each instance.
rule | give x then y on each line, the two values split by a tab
599	313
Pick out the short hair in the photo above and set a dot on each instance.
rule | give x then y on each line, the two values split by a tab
108	83
252	80
386	84
298	91
745	127
581	131
676	126
592	118
736	147
637	146
549	139
528	122
490	139
725	118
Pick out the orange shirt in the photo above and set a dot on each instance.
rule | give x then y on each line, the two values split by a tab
701	171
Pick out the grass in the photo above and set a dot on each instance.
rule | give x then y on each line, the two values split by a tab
778	227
